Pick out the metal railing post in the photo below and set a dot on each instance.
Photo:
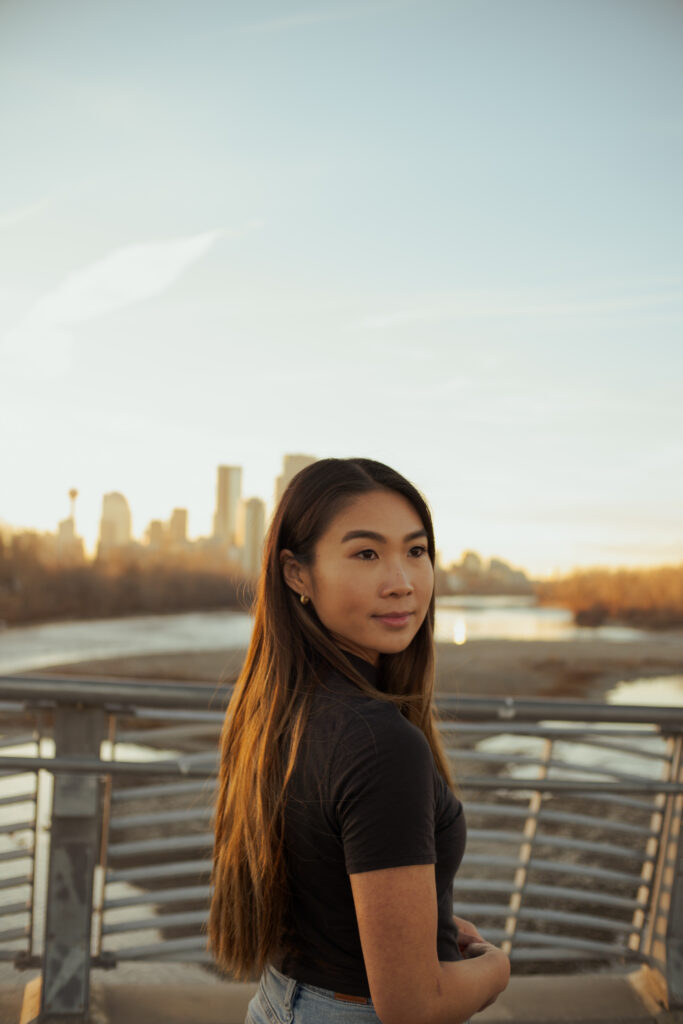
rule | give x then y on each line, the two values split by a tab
74	849
674	928
526	851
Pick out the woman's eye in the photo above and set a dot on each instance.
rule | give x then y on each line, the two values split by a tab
421	550
367	551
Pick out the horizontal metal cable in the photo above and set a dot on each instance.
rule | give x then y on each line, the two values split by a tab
619	799
469	885
576	737
10	934
18	826
160	921
178	895
178	767
176	715
548	731
18	798
159	818
120	695
162	791
539	864
187	957
535	785
160	949
165	733
528	954
539	761
19	854
570	942
541	839
557	916
7	909
563	817
150	872
164	844
10	883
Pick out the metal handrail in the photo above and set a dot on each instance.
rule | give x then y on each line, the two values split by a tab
152	860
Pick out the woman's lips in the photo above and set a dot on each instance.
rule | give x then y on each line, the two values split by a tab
395	621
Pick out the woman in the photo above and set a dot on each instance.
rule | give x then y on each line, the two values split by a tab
337	833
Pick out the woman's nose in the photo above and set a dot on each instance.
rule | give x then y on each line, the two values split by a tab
398	582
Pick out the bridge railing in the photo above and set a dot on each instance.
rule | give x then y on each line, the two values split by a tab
106	799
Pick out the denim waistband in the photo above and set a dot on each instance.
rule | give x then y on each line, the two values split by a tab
284	1000
343	997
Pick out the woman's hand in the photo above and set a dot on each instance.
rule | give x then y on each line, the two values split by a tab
475	948
472	943
467	933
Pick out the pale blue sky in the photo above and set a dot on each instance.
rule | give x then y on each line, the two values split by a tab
447	235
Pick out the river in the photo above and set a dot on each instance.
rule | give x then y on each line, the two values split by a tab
458	619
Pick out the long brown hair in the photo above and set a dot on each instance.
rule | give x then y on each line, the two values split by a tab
290	650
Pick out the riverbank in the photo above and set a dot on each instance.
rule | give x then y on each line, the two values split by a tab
581	670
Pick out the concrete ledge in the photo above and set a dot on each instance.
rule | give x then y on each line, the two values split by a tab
187	994
561	999
170	1004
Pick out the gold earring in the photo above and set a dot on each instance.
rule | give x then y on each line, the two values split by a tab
304	599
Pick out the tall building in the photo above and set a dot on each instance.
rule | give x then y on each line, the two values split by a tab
68	547
155	533
115	527
228	493
254	512
291	465
177	528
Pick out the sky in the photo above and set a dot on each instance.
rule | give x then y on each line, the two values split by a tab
444	234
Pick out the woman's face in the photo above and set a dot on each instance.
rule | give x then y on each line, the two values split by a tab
371	580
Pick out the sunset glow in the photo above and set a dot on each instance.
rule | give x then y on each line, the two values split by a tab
463	258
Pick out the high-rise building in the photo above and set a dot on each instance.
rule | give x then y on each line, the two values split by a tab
177	528
254	513
291	465
68	546
115	527
155	533
228	493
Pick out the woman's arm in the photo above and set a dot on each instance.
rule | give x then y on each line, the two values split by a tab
397	914
493	968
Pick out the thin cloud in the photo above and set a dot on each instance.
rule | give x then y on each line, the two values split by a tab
123	277
490	305
21	213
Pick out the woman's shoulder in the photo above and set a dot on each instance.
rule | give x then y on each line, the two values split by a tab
340	707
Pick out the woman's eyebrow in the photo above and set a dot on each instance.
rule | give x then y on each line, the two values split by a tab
371	535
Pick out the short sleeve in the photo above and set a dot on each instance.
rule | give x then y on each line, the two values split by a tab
383	788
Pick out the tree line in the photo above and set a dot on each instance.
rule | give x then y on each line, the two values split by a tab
35	590
32	590
648	598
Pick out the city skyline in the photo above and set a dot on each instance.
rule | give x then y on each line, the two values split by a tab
463	257
241	528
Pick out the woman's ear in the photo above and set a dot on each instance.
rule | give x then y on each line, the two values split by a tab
292	572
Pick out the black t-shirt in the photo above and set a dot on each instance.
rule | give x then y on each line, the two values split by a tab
365	794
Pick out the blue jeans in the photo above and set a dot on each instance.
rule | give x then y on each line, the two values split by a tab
283	1000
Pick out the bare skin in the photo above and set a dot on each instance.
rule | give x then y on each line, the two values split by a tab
355	582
